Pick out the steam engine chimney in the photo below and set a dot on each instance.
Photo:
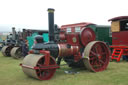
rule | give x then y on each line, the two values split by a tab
51	24
13	33
24	34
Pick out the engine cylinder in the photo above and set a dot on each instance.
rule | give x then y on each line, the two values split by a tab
67	50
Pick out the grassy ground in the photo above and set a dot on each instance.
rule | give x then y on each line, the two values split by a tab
11	74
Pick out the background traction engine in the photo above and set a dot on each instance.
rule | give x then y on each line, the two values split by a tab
16	51
77	48
21	37
9	43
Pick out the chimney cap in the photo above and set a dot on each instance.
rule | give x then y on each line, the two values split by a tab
13	27
51	10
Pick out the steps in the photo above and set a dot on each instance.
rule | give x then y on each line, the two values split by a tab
117	53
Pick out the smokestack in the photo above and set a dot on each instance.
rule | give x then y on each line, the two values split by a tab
13	33
51	23
24	34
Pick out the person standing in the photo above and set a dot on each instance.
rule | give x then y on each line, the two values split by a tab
25	48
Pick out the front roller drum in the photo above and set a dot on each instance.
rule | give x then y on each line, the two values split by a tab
96	56
34	65
6	50
16	52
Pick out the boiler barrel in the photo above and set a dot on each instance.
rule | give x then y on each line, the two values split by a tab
57	50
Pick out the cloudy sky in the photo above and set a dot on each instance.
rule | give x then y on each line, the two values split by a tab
32	14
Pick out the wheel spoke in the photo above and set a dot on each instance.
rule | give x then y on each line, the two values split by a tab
93	53
40	65
103	53
92	58
101	61
96	65
45	73
96	49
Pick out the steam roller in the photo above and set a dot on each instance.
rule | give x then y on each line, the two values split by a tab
6	50
9	44
16	52
74	43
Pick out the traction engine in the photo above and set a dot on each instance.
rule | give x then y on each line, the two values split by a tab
9	43
74	43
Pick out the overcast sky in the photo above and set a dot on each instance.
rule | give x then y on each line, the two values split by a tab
32	14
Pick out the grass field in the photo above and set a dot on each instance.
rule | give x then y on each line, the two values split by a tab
11	74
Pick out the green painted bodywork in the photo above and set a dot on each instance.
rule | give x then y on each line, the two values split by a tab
31	39
103	33
1	40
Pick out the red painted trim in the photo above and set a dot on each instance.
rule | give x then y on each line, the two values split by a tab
43	67
31	52
118	18
120	47
47	57
83	24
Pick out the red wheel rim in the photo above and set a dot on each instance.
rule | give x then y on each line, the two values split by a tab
45	74
98	56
